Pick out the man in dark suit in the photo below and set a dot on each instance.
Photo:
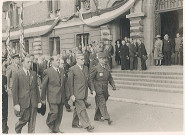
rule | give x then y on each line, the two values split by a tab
86	56
11	70
133	55
78	78
142	55
65	67
42	67
71	59
124	55
100	75
54	87
26	96
167	49
34	66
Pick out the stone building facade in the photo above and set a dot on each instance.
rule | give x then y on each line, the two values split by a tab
52	26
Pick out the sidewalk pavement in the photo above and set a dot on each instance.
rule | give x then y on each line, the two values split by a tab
127	117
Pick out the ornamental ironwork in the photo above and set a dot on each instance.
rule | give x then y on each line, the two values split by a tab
168	4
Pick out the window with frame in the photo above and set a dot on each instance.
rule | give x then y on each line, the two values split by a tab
54	46
77	5
82	39
54	7
15	47
26	46
14	15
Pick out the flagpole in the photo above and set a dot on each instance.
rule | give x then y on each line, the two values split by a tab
8	37
22	32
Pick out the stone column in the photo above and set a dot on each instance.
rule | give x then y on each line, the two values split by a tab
136	20
142	24
149	29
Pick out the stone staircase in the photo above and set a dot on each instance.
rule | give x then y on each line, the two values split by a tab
161	86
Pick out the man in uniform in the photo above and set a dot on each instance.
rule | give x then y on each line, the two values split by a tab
54	87
78	78
11	70
109	50
99	77
178	41
26	96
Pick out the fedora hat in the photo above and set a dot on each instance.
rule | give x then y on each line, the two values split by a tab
158	36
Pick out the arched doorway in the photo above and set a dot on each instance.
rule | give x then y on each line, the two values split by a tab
168	17
168	20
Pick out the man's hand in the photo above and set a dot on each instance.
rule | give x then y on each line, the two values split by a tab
73	98
43	102
17	108
39	105
9	89
93	93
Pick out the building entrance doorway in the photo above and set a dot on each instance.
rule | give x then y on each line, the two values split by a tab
124	28
171	23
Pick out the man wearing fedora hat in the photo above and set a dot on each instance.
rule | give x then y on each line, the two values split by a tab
11	70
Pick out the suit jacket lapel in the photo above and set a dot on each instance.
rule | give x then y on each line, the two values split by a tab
56	74
24	75
31	77
80	71
61	76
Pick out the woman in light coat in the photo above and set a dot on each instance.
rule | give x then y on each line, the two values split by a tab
158	56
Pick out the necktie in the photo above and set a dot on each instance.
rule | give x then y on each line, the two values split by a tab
28	73
58	71
59	76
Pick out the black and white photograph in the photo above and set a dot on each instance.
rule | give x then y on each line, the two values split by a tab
92	66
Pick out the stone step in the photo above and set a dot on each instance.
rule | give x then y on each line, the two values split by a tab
148	88
158	80
147	72
148	96
148	76
149	84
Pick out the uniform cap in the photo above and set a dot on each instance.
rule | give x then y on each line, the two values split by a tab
158	36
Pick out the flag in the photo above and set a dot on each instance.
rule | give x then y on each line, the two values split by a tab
22	32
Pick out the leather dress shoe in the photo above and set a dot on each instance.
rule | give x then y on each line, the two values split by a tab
77	126
68	110
87	105
109	121
58	131
98	119
90	128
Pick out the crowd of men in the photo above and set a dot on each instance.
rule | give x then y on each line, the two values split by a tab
130	54
34	81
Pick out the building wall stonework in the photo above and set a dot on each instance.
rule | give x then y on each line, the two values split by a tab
35	13
67	8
